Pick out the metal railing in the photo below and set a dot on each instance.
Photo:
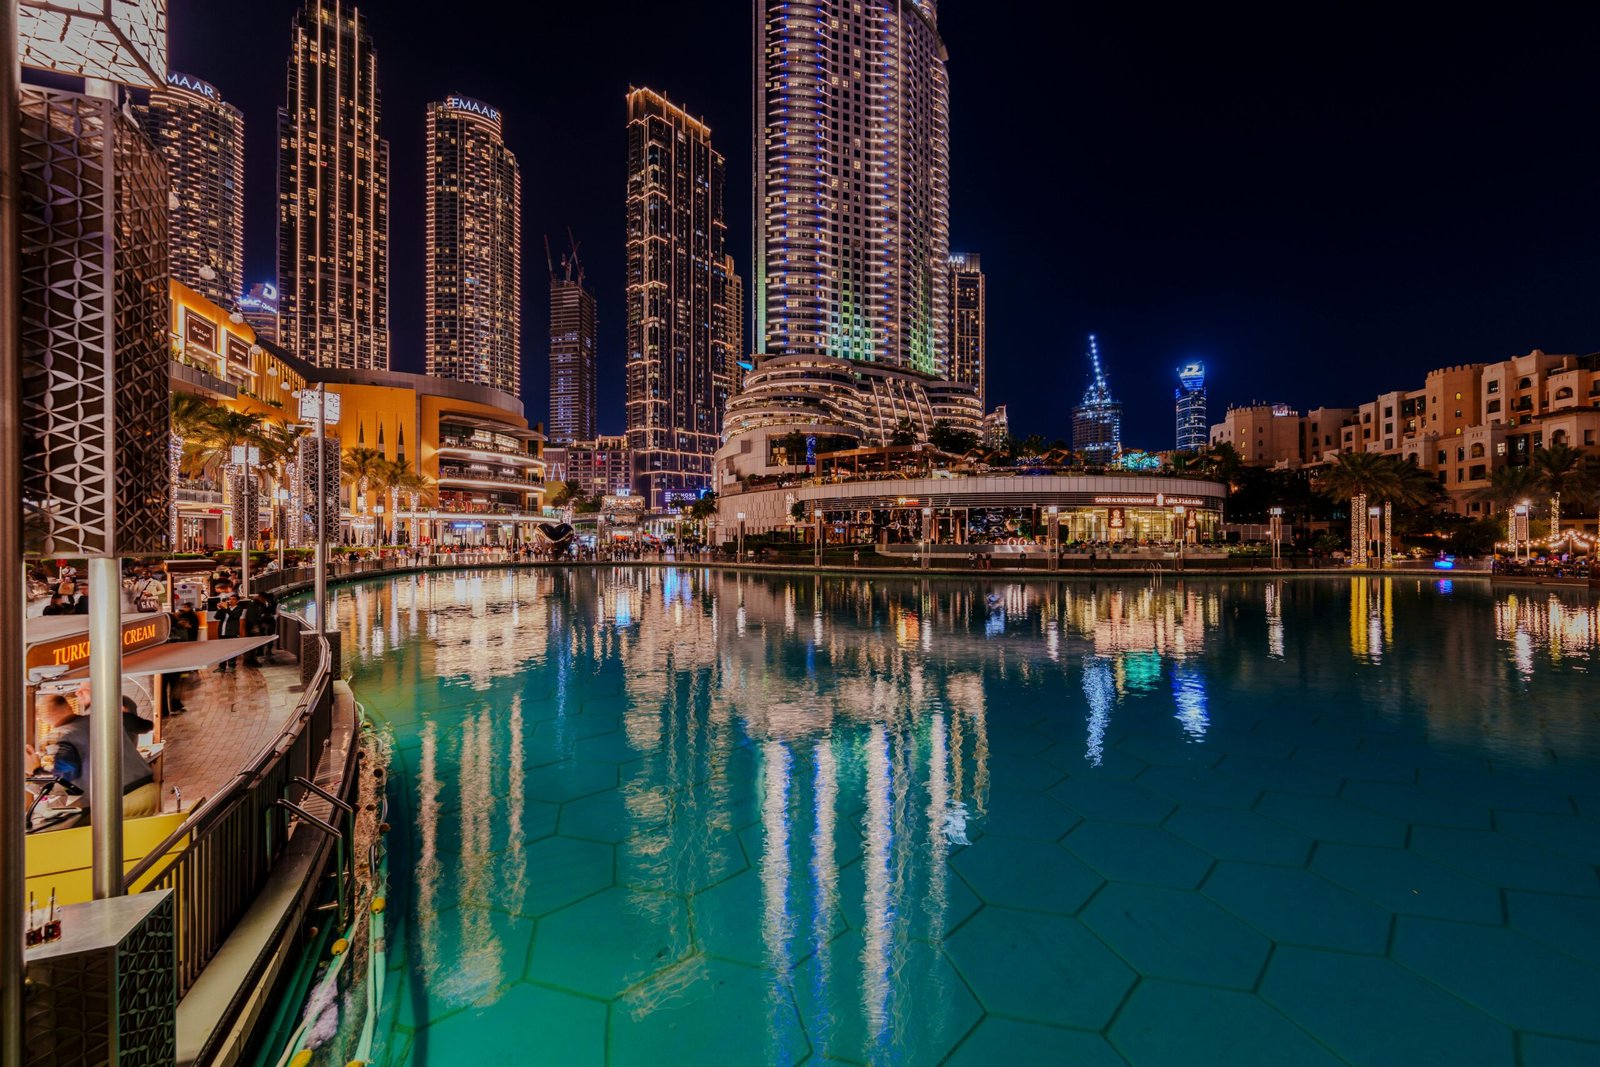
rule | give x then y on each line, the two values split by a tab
219	860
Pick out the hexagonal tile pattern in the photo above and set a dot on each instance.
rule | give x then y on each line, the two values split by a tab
1042	968
1521	982
1233	834
1333	819
562	870
610	942
1406	883
707	1011
1540	1050
1000	1041
570	1030
1172	1023
1024	813
788	931
1110	799
1174	933
1034	875
1372	1010
1571	924
1294	906
557	783
1211	786
1144	854
1500	860
1416	804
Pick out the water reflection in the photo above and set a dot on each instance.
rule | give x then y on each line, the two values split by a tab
796	760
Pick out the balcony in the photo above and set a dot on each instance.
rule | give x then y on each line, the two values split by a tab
455	474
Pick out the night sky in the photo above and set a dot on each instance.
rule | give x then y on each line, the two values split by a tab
1321	203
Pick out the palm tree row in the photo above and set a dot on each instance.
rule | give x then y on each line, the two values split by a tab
1552	477
366	471
1379	478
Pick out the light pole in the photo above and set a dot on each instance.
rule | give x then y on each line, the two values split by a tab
282	496
1055	537
1375	535
1277	536
927	538
740	548
1183	533
816	542
377	534
1519	529
245	457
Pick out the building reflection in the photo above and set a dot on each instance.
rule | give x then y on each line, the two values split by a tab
829	739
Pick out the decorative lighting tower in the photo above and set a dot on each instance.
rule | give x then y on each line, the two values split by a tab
1190	398
1097	420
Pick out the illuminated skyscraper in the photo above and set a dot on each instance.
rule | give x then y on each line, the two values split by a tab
333	194
968	324
201	140
1097	420
474	234
677	367
1194	432
852	181
730	325
573	328
260	309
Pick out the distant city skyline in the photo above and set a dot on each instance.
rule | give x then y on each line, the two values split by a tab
1219	258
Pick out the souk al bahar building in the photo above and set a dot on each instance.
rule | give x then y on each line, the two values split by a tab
482	461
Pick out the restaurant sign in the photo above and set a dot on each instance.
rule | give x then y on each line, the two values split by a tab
1155	500
138	632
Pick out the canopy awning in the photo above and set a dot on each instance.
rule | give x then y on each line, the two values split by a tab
177	656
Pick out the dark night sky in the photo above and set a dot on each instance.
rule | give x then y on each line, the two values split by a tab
1323	204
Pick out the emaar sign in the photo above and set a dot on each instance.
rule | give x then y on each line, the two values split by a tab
193	85
462	103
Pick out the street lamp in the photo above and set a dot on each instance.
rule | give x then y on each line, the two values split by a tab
281	495
927	537
1183	533
246	457
740	517
1277	536
1519	528
377	509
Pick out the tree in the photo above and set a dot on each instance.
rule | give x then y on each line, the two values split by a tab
793	444
1354	474
905	433
797	511
946	438
1510	485
1560	469
704	508
361	467
557	494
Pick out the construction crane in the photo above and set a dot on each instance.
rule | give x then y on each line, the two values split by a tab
569	260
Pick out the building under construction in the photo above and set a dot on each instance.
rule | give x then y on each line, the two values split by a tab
573	350
1097	420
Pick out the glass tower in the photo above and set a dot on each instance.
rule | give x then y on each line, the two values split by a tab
852	181
1190	396
1097	420
968	329
573	351
474	234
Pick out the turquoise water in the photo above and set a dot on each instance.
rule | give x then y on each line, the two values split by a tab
655	816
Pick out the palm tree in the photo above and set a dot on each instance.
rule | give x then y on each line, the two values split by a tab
1354	474
1510	485
418	489
360	467
1559	467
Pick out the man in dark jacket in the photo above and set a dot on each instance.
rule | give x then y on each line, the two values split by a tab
230	617
251	625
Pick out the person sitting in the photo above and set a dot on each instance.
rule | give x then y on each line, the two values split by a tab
134	724
81	605
59	605
73	745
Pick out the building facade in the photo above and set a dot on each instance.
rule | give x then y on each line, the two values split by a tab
852	181
601	467
1193	431
259	307
333	194
1097	418
968	329
201	140
677	359
474	236
573	354
730	326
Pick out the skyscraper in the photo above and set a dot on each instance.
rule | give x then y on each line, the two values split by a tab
474	234
201	140
1193	431
730	325
677	370
259	307
1097	420
968	324
852	181
573	329
333	194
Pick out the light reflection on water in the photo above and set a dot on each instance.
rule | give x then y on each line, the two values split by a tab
835	741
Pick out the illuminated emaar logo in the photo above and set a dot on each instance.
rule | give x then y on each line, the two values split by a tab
463	103
1192	376
193	85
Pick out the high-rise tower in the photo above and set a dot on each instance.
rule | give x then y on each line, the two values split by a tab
969	351
730	325
1194	432
474	233
333	194
852	181
573	331
1097	420
677	288
201	140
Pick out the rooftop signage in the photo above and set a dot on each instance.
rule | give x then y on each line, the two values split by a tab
1159	500
475	107
190	84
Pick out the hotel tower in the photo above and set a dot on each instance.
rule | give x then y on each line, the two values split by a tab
201	140
474	234
677	286
573	352
852	181
333	195
968	323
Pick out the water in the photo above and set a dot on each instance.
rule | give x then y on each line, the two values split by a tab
650	816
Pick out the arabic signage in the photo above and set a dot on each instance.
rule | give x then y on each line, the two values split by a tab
1156	500
199	331
238	350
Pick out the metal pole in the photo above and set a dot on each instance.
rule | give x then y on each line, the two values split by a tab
248	485
13	708
321	581
105	723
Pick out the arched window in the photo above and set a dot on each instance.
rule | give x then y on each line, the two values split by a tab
1564	393
1477	451
1558	438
